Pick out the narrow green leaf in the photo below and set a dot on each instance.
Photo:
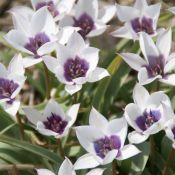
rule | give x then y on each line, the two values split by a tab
31	148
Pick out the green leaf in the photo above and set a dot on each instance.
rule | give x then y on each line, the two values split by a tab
98	99
31	148
139	161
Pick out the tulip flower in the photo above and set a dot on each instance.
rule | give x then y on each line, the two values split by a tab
11	82
147	115
87	16
53	121
35	34
104	141
58	8
158	63
139	18
76	64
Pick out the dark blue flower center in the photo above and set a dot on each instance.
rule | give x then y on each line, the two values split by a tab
50	6
7	88
143	25
75	68
86	24
148	119
55	123
156	66
104	145
36	42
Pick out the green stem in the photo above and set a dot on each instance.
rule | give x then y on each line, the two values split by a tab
152	153
114	167
21	127
60	148
47	81
168	162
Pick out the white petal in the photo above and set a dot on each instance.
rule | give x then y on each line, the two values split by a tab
72	113
18	40
44	172
21	16
35	2
140	4
98	74
65	6
19	80
3	71
91	55
164	43
66	168
47	48
132	111
154	11
170	65
140	96
16	65
134	60
72	89
128	151
76	42
157	98
136	137
118	127
64	53
41	129
66	21
87	135
172	9
33	115
169	79
123	32
51	63
89	7
107	13
169	125
100	28
126	13
86	161
148	47
53	108
30	61
65	33
110	157
42	21
97	171
144	78
12	109
97	120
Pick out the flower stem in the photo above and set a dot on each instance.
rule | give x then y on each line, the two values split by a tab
114	167
60	148
152	152
47	81
21	128
168	162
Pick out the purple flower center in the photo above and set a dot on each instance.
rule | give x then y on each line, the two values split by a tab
86	23
55	123
143	25
173	131
148	119
75	68
156	66
50	6
104	145
7	87
35	43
